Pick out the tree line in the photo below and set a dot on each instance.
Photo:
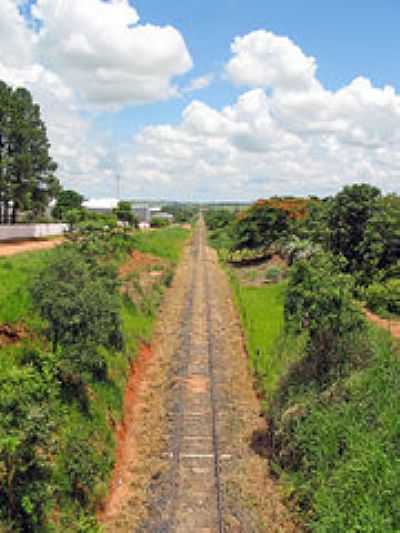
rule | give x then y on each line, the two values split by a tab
359	229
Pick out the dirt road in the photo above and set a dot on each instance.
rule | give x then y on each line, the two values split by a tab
202	467
18	247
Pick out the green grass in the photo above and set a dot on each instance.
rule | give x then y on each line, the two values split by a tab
342	453
261	311
15	275
166	243
336	450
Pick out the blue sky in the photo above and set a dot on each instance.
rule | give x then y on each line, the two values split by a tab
348	38
294	96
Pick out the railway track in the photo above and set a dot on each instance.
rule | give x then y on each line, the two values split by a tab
189	498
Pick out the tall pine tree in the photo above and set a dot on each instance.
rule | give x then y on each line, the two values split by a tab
27	180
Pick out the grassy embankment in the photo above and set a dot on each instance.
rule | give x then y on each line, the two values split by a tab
335	448
62	487
166	243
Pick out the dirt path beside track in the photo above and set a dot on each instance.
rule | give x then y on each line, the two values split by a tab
18	247
392	326
193	464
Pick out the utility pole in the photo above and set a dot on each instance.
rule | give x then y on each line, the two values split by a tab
118	180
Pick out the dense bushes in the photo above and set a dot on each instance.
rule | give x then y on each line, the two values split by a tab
55	448
332	416
79	300
260	226
157	222
319	300
28	403
349	213
331	381
384	297
336	448
61	388
358	224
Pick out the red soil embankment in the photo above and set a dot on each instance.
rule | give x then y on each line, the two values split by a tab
11	334
126	452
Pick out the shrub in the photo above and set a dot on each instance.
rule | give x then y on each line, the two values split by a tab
81	304
384	297
273	274
124	213
85	464
28	406
298	249
319	300
339	448
158	222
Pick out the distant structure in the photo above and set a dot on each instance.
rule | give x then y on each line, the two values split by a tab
143	212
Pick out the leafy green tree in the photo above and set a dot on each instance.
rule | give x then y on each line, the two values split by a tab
217	219
73	217
314	226
27	170
319	301
349	213
381	243
260	226
66	201
5	149
124	213
384	297
221	225
78	297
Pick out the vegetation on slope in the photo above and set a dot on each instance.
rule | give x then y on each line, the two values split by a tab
166	243
61	388
333	437
15	273
329	379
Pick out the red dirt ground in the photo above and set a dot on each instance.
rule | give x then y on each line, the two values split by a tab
11	334
17	247
119	485
138	261
393	326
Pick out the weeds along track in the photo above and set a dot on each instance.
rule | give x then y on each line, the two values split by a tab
188	497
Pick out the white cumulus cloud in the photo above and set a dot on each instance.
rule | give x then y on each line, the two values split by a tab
87	53
286	135
263	59
101	51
